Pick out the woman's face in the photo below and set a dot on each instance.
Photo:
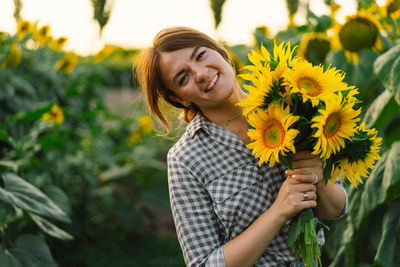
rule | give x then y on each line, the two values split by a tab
198	75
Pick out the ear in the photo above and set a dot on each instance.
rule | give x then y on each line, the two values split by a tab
179	100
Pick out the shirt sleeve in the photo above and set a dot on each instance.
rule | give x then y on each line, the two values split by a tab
194	217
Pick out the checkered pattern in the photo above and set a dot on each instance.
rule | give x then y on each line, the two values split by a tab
217	190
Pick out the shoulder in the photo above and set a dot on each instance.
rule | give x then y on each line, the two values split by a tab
190	143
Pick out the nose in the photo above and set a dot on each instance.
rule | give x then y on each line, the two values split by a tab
200	74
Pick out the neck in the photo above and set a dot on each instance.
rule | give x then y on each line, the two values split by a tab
227	112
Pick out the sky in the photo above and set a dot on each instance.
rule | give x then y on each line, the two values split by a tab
133	24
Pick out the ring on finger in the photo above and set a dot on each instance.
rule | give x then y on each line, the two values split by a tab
315	178
305	196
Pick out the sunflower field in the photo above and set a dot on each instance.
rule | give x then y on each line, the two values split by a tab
83	176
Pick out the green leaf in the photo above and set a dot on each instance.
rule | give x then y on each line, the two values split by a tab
381	111
294	231
7	259
386	249
58	196
50	229
32	251
287	160
13	165
382	186
4	136
18	192
391	177
387	67
216	7
392	131
363	75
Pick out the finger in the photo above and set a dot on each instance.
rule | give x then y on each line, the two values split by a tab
297	187
304	171
304	178
306	163
309	204
308	195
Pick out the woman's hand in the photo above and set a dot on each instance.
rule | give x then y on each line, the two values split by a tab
298	192
307	168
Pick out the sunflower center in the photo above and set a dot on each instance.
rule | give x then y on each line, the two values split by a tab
332	125
393	6
24	27
358	33
316	50
274	134
310	85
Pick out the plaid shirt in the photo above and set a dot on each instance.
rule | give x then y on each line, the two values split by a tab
217	190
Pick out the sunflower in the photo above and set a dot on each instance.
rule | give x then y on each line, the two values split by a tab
271	135
55	114
103	53
67	63
145	124
133	138
58	43
314	47
359	157
13	57
333	125
23	28
43	36
258	94
266	76
359	31
392	9
313	83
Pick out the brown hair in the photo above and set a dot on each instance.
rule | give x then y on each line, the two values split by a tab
149	73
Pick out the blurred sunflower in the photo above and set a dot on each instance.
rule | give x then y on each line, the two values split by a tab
271	135
359	31
133	138
392	9
145	124
67	63
23	28
360	157
42	35
55	114
333	125
58	43
103	53
313	83
314	47
13	57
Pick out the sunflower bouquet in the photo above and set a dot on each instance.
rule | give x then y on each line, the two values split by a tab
293	105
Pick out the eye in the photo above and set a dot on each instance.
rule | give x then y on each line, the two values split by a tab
183	79
200	55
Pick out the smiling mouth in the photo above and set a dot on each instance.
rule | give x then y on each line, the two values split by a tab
212	83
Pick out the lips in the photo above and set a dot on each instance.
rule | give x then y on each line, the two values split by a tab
212	84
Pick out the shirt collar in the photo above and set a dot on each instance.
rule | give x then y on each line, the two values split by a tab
198	122
216	132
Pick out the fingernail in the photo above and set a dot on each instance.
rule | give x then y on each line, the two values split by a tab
294	176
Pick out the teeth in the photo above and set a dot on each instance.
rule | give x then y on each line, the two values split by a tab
212	82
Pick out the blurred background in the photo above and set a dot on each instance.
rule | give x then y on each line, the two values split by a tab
83	177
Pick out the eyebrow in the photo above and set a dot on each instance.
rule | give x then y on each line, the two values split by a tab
191	58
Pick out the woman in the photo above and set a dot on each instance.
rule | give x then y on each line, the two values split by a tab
228	211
